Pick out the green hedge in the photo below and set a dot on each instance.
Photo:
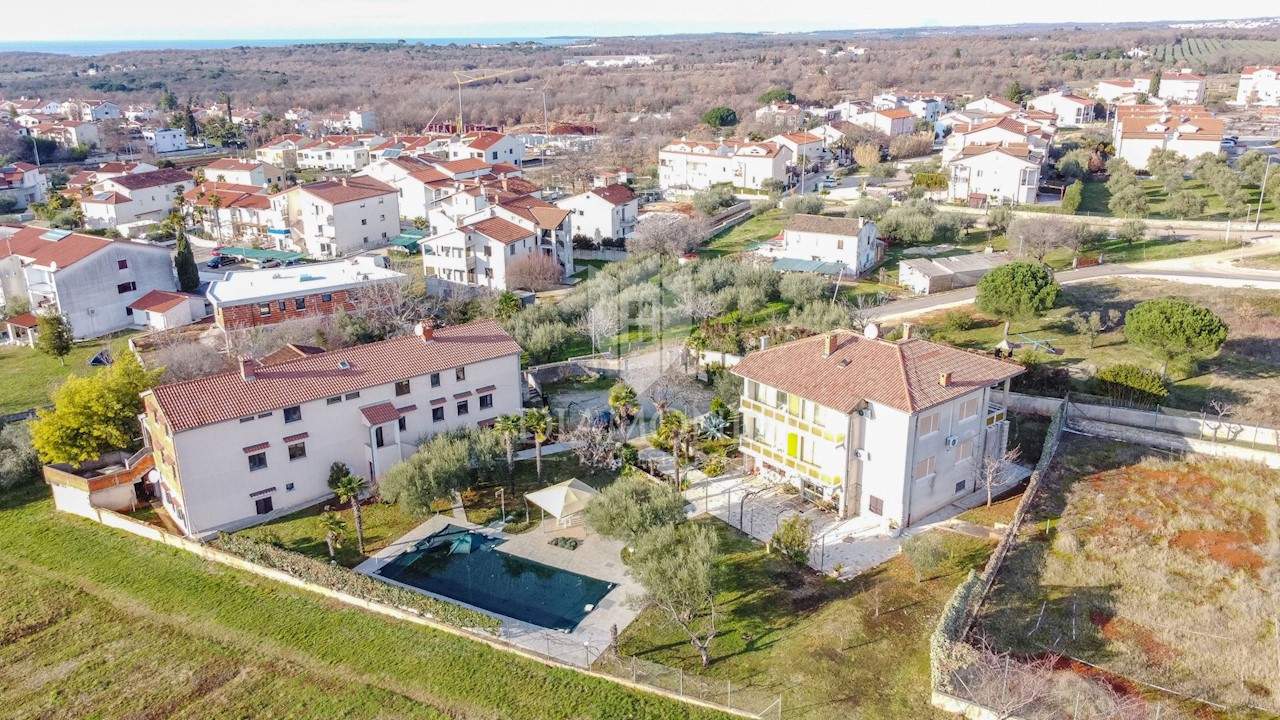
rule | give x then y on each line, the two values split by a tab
340	579
948	652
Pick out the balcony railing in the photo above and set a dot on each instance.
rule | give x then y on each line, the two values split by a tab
995	413
790	420
782	460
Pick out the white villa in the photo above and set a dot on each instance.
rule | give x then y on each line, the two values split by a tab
694	165
1259	85
851	241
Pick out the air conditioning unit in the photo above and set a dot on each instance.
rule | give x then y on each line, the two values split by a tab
862	454
953	441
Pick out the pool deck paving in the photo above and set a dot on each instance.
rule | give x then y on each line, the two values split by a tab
596	557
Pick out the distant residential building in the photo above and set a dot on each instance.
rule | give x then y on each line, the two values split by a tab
1190	133
609	212
1069	110
90	110
91	280
850	241
165	140
1002	130
246	446
996	174
67	133
925	275
1259	85
489	147
333	152
253	298
1176	88
358	120
897	121
23	182
993	105
245	172
782	115
282	151
333	218
605	61
228	212
802	145
885	430
694	165
125	199
1112	91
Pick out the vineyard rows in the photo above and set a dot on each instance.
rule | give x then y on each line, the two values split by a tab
1196	51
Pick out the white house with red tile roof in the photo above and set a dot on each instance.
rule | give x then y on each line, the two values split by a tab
1111	91
24	183
334	218
888	430
90	110
894	122
67	133
605	212
240	171
1176	88
1001	130
1259	85
1190	135
802	144
993	105
90	280
134	197
164	140
1070	110
489	147
477	233
232	213
782	115
283	151
994	174
243	447
697	165
334	152
167	309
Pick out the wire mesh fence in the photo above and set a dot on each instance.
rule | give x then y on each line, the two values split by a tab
745	699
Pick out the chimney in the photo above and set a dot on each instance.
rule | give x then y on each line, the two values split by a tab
344	182
248	370
504	182
425	329
906	331
944	379
829	344
764	342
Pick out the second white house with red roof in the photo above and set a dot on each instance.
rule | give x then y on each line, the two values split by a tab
242	447
609	212
891	430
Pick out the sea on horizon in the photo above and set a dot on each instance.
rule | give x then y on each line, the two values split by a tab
86	48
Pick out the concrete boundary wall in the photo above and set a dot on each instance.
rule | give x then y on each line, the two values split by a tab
150	532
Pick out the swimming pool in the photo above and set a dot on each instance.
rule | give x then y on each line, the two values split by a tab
467	566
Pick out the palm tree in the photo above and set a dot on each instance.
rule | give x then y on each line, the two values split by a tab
622	401
678	429
348	489
215	203
540	424
510	427
335	528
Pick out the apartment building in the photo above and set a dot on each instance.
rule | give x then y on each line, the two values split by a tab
1259	85
693	165
1188	130
241	447
1005	173
92	281
851	241
893	122
895	430
134	197
282	151
164	140
334	152
233	213
24	183
1176	87
239	171
490	147
1002	130
253	298
333	218
1068	110
609	212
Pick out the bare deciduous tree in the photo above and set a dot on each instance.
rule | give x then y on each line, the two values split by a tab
535	272
1007	686
670	235
1035	237
600	323
993	468
593	444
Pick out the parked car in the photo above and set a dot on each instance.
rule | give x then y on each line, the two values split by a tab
1228	142
221	261
264	263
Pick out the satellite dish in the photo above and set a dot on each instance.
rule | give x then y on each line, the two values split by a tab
871	331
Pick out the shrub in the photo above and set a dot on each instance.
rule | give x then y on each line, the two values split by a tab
19	462
802	288
957	321
712	200
340	579
1072	197
567	543
718	117
1041	378
792	538
928	554
1017	290
802	205
1131	383
715	467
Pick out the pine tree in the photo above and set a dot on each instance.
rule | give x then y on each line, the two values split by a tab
54	336
184	261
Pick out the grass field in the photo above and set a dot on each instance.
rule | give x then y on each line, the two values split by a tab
1196	52
1096	197
815	641
1158	245
98	623
762	227
1246	373
27	377
1262	262
1159	570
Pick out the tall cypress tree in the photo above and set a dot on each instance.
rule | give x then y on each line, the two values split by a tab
185	262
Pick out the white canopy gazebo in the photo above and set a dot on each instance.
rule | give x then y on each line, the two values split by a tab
563	500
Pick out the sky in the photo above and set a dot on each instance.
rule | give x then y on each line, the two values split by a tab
393	19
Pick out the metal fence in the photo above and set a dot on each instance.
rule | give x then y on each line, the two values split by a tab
740	698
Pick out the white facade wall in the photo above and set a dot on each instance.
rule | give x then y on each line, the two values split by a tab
1175	91
151	203
1262	87
215	480
994	174
1068	112
92	292
858	252
699	171
598	218
261	175
348	159
165	140
30	190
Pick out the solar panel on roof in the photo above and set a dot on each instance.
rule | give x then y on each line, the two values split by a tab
55	234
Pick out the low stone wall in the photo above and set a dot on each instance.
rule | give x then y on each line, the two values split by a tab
606	254
1166	441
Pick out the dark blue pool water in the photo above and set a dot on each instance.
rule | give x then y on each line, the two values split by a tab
467	566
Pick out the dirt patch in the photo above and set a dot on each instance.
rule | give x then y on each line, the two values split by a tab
1229	548
1118	629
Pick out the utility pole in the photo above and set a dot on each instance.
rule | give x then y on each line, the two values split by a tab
1262	192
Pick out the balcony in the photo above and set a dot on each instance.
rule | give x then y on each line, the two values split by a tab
995	413
781	460
790	420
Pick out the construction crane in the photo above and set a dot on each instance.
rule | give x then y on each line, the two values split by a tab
466	78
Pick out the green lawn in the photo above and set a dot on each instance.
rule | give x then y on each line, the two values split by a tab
301	533
1262	262
1157	246
27	377
99	623
736	239
817	642
484	504
1096	197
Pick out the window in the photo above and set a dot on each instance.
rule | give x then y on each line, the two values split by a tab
283	305
460	374
123	288
122	264
288	487
264	309
351	395
257	461
300	303
929	423
263	505
488	252
512	250
435	379
327	297
925	467
402	388
968	408
437	414
264	415
382	218
964	451
378	438
875	505
246	419
293	414
297	451
364	221
960	486
486	401
333	400
462	408
402	424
